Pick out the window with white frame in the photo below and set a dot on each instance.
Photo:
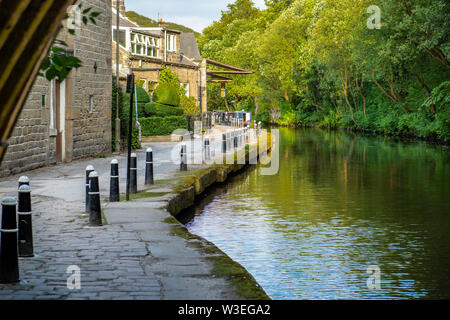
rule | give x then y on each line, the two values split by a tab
186	88
171	42
144	45
122	37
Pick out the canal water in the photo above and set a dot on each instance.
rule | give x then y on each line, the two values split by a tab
340	203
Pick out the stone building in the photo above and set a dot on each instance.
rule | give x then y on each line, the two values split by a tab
145	50
61	122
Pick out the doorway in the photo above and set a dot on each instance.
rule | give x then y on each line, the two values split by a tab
60	113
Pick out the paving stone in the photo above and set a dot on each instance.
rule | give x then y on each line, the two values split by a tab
114	260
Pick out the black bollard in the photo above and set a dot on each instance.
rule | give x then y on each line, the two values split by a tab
224	146
95	212
149	167
183	154
25	222
9	251
133	174
24	180
89	169
114	191
207	149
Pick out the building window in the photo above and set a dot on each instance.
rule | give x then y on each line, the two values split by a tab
122	37
144	45
171	42
43	100
186	88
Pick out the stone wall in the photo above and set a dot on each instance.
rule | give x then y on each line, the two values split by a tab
87	121
29	145
91	120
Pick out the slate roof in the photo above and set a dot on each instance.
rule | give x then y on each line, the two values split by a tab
189	45
154	33
123	22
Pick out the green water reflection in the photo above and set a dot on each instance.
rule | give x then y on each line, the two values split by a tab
340	203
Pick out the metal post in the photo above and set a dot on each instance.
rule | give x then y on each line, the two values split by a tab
183	165
89	169
133	174
25	222
224	146
149	167
117	131
130	90
207	149
95	212
9	259
114	191
24	180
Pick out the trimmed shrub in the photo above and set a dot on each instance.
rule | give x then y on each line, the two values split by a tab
167	94
160	110
142	96
124	118
189	105
158	126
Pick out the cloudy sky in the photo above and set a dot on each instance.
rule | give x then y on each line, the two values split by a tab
196	14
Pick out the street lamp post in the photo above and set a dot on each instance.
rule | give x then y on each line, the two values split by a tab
117	142
130	90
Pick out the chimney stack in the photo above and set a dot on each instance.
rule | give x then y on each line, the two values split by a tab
121	4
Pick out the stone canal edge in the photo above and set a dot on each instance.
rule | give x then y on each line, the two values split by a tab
142	252
185	190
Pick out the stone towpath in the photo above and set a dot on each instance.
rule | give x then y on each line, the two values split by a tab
135	255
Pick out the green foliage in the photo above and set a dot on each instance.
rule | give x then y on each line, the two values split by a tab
167	76
189	105
263	116
59	63
124	118
158	126
139	82
316	63
167	94
153	109
147	22
142	96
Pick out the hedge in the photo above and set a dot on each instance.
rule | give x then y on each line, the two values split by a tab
167	94
160	110
142	96
158	126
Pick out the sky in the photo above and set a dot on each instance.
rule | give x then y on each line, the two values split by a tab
195	14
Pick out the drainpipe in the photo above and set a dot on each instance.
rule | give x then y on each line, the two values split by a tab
137	116
165	45
117	120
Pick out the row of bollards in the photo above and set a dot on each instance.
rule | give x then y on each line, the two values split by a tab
16	233
93	206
